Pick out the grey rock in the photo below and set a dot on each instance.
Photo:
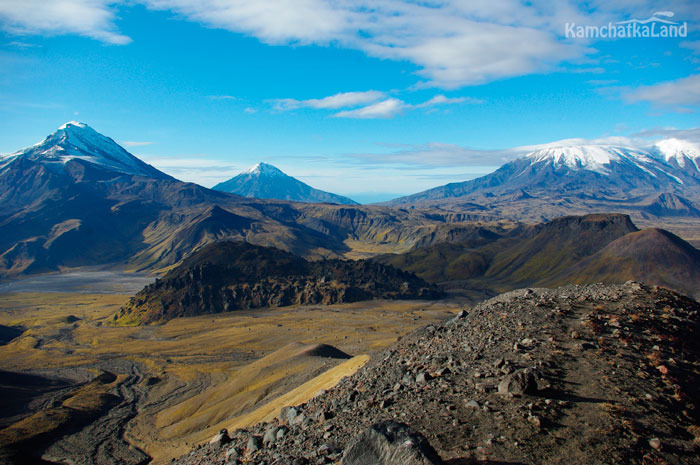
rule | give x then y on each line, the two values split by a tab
390	443
220	439
518	383
254	444
270	436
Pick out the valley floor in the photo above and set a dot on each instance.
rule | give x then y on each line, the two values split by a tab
160	389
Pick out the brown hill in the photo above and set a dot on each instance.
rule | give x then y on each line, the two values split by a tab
518	257
226	276
652	255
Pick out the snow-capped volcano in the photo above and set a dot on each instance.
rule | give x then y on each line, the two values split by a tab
78	141
264	181
671	165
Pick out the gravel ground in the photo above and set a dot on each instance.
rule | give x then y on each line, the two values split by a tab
580	374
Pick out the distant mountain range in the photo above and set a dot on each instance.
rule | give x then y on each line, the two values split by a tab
77	198
600	172
264	181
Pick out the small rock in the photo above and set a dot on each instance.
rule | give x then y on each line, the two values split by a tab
534	420
473	404
254	444
288	414
270	436
423	377
655	443
232	453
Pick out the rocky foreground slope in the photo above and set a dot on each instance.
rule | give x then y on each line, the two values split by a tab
581	374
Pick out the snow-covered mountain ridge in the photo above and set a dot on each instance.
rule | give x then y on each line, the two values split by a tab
595	171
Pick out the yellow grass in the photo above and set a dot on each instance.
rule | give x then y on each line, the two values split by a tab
204	356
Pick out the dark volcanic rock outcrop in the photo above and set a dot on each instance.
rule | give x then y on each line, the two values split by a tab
227	276
610	376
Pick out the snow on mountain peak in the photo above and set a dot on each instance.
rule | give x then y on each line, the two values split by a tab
73	123
588	157
680	151
78	141
264	169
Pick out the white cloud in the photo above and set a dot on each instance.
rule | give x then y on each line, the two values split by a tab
454	43
379	106
90	18
693	45
685	91
691	134
385	109
132	143
194	168
442	100
271	21
437	154
222	97
340	100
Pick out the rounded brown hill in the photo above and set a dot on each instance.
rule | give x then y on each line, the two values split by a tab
652	255
227	276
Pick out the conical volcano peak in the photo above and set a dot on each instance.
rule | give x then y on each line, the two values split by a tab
264	181
78	141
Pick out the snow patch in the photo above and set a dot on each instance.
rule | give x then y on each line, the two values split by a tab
680	151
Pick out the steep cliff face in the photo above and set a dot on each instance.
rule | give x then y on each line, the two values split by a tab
227	276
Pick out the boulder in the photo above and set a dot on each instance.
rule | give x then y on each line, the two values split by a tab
390	443
220	439
518	383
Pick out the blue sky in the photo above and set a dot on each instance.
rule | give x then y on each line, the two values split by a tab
365	99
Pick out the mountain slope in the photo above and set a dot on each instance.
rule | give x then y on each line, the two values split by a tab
671	205
227	276
519	257
264	181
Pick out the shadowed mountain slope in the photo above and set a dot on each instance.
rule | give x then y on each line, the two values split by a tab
651	255
587	249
